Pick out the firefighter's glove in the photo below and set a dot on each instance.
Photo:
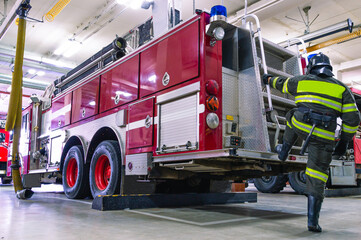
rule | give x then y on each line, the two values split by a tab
265	78
340	149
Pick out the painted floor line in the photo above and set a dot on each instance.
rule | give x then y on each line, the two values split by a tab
71	200
202	224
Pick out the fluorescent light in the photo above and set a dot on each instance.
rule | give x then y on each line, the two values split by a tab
68	48
32	71
92	103
72	49
59	63
135	4
40	73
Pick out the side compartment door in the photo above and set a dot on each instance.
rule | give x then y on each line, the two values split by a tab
140	124
61	112
85	101
120	84
171	61
24	146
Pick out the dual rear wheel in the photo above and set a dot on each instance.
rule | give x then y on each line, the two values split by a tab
275	184
100	177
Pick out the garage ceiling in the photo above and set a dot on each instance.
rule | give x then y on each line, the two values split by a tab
92	24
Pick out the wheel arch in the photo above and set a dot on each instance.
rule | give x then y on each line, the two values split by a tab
104	133
72	141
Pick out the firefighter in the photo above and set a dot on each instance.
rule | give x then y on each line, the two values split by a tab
320	100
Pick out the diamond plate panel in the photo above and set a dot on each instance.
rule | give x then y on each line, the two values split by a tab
230	92
251	118
291	66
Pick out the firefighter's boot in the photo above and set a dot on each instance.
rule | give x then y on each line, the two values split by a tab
283	150
314	207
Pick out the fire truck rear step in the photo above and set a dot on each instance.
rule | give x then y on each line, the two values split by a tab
120	202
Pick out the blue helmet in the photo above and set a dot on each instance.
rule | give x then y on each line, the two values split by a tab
319	65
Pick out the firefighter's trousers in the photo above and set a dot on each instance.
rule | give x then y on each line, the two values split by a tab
319	159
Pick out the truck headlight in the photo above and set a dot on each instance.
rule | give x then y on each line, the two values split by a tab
212	120
218	33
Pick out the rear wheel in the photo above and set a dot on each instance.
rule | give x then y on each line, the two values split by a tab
75	174
105	172
298	181
271	184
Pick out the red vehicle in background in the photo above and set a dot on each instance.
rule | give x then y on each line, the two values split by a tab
4	152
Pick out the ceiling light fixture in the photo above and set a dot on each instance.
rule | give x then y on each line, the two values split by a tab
32	71
40	73
68	48
332	29
135	4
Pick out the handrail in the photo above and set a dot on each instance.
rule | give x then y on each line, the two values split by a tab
263	58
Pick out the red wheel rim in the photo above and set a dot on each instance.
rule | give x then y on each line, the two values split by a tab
71	172
102	172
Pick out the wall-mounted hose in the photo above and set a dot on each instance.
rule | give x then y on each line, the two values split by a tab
13	121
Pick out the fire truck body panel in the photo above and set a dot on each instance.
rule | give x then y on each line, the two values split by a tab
119	85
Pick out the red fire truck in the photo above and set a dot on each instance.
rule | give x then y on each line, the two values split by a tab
4	152
182	110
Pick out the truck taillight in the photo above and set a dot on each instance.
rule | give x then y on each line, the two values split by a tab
212	87
212	120
292	158
212	104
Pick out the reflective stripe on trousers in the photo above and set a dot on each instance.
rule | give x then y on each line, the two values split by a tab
318	132
316	174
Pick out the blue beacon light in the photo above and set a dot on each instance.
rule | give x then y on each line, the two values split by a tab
218	12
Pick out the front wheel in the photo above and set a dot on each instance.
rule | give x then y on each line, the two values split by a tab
105	166
75	174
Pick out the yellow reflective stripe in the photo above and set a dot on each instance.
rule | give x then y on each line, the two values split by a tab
349	129
319	100
285	87
317	131
330	89
274	82
351	107
317	172
289	125
315	175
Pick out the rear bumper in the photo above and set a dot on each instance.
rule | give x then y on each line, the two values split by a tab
193	160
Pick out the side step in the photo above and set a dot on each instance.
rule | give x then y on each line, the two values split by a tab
343	192
119	202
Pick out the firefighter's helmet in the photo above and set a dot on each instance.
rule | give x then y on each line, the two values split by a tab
319	65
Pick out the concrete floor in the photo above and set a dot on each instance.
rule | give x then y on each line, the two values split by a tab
50	215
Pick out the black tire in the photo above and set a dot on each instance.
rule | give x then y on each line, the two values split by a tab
75	174
105	169
298	181
271	184
5	180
